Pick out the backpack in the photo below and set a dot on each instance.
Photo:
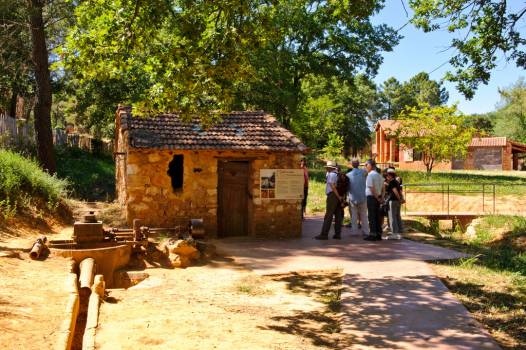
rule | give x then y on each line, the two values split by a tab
342	184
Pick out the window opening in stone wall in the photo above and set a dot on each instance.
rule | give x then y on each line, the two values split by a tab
175	171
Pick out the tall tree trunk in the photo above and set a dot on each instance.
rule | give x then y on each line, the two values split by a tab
12	104
39	55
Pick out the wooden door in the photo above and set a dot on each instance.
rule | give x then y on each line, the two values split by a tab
233	198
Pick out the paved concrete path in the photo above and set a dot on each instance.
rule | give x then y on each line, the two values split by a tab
392	299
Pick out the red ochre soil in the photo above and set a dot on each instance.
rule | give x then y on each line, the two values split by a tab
215	306
32	296
220	307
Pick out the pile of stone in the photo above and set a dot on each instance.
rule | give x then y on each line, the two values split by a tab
185	252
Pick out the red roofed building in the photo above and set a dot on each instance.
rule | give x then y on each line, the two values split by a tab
169	171
484	153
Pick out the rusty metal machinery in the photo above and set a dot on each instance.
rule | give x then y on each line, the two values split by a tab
139	233
90	232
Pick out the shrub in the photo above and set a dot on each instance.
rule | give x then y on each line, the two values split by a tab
23	182
91	177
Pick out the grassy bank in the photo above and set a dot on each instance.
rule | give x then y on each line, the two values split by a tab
23	185
507	183
92	177
492	283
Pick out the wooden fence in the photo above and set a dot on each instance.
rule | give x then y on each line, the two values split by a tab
15	129
20	131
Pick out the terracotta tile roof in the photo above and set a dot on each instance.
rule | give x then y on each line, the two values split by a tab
236	131
488	142
390	126
518	146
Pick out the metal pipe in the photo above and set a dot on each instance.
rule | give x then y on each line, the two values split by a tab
154	229
137	229
129	230
483	198
493	199
448	199
115	230
86	275
38	247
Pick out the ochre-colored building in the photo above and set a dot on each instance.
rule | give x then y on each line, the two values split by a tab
484	153
386	148
169	171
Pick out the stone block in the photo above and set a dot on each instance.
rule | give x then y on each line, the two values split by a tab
181	252
153	191
140	209
132	169
138	180
161	180
154	157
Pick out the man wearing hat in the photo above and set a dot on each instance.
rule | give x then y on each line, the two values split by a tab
333	206
357	200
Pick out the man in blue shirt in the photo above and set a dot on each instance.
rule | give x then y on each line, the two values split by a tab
357	200
333	206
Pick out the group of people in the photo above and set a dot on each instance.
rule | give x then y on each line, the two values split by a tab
370	194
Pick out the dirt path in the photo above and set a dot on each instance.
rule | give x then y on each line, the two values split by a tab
220	307
32	297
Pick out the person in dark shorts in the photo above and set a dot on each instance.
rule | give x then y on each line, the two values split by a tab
303	165
374	194
333	206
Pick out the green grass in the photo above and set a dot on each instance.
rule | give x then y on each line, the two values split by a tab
24	184
507	183
92	177
492	282
316	197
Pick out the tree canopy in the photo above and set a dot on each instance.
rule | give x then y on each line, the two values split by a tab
394	96
333	110
488	30
510	118
200	56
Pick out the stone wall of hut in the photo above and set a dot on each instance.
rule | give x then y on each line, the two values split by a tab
145	190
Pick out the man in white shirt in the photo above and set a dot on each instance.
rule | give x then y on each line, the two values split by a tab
333	206
374	185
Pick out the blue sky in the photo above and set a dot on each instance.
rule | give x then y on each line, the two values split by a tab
419	51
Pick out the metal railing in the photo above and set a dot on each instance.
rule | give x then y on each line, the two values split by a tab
446	190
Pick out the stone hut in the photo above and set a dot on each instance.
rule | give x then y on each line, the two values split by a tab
169	171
